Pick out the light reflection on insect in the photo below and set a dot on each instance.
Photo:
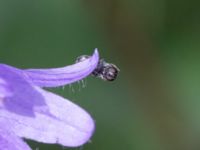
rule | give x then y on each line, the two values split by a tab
105	71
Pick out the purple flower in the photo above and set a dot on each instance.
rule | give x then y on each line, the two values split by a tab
28	111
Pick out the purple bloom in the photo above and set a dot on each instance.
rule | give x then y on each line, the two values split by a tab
28	111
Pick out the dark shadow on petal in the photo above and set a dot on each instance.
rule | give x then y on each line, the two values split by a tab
24	98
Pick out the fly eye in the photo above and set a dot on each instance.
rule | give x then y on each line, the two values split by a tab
110	73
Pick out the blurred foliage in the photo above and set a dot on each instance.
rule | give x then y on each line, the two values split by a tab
155	102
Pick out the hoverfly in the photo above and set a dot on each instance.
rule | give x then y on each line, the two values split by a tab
105	71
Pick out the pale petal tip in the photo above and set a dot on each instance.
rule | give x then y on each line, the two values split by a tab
83	137
89	126
87	138
96	53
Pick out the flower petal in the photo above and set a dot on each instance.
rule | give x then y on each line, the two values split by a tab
17	91
60	121
33	113
62	76
36	114
4	89
9	141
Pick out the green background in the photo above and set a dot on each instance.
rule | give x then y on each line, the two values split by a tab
155	102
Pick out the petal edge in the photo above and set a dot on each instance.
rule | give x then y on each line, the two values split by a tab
55	77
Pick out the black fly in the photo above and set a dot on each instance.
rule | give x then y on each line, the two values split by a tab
104	70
